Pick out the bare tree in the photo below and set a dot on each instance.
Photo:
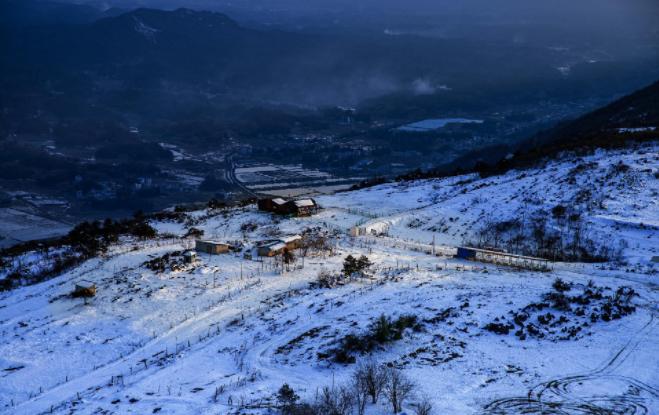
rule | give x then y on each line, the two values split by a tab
288	258
372	378
335	401
398	388
315	241
423	407
360	393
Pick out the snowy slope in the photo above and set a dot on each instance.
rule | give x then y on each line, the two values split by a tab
222	335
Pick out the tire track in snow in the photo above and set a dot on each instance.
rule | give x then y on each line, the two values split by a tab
558	396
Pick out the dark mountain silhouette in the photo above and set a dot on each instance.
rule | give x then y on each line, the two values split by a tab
162	51
631	119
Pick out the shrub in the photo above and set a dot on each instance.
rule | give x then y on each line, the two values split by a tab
287	398
499	328
355	266
383	330
423	407
326	279
558	211
561	286
194	233
583	309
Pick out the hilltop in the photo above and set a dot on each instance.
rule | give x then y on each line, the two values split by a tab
223	334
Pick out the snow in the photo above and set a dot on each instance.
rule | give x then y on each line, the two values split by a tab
277	246
636	129
147	31
227	330
304	203
20	226
289	239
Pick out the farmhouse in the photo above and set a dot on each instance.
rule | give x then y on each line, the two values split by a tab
270	249
278	246
212	247
303	207
299	207
292	242
275	205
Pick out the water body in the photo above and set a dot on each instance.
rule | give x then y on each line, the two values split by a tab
436	124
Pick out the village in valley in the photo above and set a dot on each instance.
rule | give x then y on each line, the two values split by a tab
469	295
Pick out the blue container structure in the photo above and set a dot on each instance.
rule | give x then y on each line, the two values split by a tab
466	253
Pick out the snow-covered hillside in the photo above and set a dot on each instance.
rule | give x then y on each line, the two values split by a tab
222	335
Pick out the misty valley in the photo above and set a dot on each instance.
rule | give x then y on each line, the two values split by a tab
106	113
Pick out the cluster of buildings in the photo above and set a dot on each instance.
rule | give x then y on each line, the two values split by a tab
295	207
267	248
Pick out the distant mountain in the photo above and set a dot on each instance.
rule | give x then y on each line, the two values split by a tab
632	113
157	69
40	12
634	117
630	119
210	54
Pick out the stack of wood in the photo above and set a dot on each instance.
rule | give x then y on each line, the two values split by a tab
84	289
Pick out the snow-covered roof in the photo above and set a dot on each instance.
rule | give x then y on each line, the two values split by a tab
277	246
85	284
378	226
210	242
305	203
291	238
278	201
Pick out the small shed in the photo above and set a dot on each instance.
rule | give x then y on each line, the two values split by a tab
376	228
466	253
190	257
212	247
292	242
357	231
